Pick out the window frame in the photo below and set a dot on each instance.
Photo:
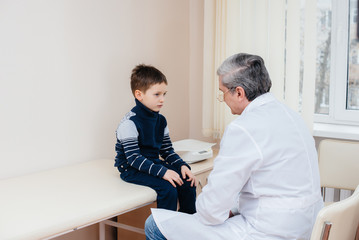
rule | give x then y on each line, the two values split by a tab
338	114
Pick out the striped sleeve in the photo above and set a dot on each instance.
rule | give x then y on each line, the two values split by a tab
168	154
128	136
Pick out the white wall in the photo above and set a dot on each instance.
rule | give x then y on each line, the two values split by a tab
64	75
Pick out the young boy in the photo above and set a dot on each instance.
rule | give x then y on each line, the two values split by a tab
143	135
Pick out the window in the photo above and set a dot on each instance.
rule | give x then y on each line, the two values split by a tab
353	71
337	79
324	27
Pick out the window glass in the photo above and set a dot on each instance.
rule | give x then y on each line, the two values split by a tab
324	30
353	60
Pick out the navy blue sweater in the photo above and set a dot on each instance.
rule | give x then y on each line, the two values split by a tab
143	136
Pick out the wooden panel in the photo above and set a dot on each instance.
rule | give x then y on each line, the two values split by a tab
202	181
134	218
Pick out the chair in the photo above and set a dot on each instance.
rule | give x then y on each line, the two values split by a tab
338	221
338	164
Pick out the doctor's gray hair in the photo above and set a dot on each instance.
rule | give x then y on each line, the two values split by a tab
246	71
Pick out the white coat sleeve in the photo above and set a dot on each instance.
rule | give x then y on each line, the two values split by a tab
238	157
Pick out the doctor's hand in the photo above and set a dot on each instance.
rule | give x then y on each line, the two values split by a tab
173	177
187	173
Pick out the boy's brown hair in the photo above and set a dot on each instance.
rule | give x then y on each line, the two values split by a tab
144	76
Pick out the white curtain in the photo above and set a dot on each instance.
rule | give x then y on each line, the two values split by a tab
272	29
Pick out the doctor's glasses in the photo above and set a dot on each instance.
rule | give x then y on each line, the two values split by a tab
221	95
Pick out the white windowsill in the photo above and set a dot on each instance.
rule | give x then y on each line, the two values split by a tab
328	130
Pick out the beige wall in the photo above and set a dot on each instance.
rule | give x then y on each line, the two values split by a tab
65	68
64	77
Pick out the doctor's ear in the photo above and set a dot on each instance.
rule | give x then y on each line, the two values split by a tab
240	92
138	95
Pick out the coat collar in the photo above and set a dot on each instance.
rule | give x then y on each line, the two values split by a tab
259	101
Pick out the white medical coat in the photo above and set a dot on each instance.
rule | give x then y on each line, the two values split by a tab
267	167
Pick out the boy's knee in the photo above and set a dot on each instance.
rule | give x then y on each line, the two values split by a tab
167	197
187	186
170	190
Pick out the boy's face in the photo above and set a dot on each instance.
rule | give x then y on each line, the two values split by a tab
154	97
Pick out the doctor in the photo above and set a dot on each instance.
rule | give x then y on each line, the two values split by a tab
265	179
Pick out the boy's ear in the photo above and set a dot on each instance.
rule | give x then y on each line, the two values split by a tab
138	95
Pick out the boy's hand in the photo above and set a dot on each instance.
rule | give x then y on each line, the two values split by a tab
187	173
173	177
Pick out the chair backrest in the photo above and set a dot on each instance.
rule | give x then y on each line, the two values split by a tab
338	221
339	164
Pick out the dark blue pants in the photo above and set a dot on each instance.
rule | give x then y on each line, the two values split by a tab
167	195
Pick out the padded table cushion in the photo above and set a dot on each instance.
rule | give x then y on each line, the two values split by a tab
52	202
